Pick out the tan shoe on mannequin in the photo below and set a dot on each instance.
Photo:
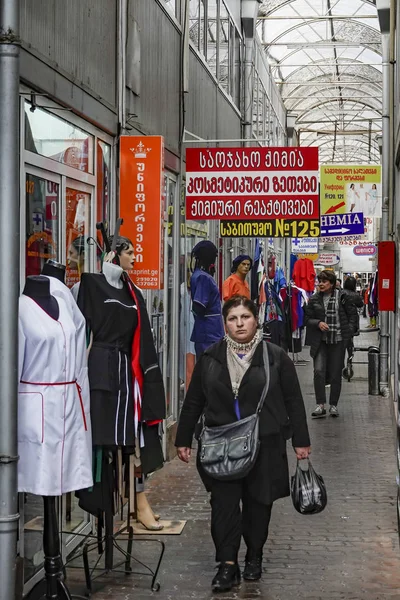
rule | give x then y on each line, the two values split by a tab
144	514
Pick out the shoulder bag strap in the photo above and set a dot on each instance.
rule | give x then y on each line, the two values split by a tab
267	377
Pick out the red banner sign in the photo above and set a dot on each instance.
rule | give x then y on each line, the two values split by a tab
142	205
252	183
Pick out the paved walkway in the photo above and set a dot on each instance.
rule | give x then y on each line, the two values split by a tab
348	552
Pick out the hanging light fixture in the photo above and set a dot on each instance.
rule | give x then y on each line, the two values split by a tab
249	13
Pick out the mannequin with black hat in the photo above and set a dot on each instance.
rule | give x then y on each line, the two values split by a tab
206	302
236	284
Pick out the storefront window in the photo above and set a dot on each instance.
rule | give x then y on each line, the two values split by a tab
212	36
197	24
42	222
172	6
77	232
32	516
50	136
224	47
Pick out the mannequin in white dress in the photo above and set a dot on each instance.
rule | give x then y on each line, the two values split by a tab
43	426
54	432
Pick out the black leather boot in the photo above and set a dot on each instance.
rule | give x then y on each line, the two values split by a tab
228	575
253	569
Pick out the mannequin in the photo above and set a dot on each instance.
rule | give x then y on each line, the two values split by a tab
127	394
54	434
38	288
52	268
206	303
54	441
236	284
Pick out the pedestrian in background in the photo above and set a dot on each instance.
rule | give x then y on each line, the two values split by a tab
331	319
236	284
349	289
226	386
206	302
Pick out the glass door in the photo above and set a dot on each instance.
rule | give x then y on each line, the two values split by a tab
42	219
78	198
79	257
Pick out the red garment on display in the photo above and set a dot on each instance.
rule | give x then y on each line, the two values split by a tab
136	368
304	274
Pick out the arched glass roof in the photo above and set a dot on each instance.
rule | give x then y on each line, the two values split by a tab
326	59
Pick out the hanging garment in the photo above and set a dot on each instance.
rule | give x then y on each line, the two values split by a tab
54	428
257	271
112	317
304	274
208	325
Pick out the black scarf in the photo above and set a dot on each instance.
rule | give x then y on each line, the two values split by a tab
331	319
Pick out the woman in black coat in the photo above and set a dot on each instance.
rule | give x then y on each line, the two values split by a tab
226	385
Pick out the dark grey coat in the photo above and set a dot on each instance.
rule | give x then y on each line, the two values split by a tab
282	417
314	313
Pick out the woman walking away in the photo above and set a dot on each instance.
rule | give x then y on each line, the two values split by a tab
226	386
349	289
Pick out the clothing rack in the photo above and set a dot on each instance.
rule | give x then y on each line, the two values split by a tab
105	545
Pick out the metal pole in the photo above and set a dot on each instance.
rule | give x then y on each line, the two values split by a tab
9	291
248	91
384	316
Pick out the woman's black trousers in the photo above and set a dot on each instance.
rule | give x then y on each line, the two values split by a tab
230	520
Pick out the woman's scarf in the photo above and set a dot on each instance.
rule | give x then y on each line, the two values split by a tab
332	334
238	366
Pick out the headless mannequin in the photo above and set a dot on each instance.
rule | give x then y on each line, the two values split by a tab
52	268
144	514
37	287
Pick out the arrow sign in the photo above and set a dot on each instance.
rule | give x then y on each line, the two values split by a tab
346	224
335	207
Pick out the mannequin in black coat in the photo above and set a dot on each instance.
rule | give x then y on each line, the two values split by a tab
282	418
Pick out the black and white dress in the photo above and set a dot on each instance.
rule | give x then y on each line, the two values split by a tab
112	317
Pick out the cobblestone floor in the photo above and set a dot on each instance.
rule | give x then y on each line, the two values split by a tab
349	552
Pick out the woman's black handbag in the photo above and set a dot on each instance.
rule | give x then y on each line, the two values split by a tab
229	452
308	491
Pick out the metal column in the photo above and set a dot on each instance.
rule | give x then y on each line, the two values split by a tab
386	133
248	90
9	277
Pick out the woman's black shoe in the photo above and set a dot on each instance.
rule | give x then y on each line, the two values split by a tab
227	576
252	569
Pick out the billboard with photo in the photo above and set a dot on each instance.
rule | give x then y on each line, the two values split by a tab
351	189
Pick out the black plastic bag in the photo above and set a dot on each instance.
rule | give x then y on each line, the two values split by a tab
308	491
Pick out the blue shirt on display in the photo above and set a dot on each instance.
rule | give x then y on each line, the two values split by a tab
208	324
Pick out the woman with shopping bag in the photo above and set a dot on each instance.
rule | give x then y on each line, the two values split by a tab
235	379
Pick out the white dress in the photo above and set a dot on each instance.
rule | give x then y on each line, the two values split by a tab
54	431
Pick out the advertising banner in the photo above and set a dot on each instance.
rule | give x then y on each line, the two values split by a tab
327	259
304	246
142	205
274	228
342	224
249	184
369	250
351	188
